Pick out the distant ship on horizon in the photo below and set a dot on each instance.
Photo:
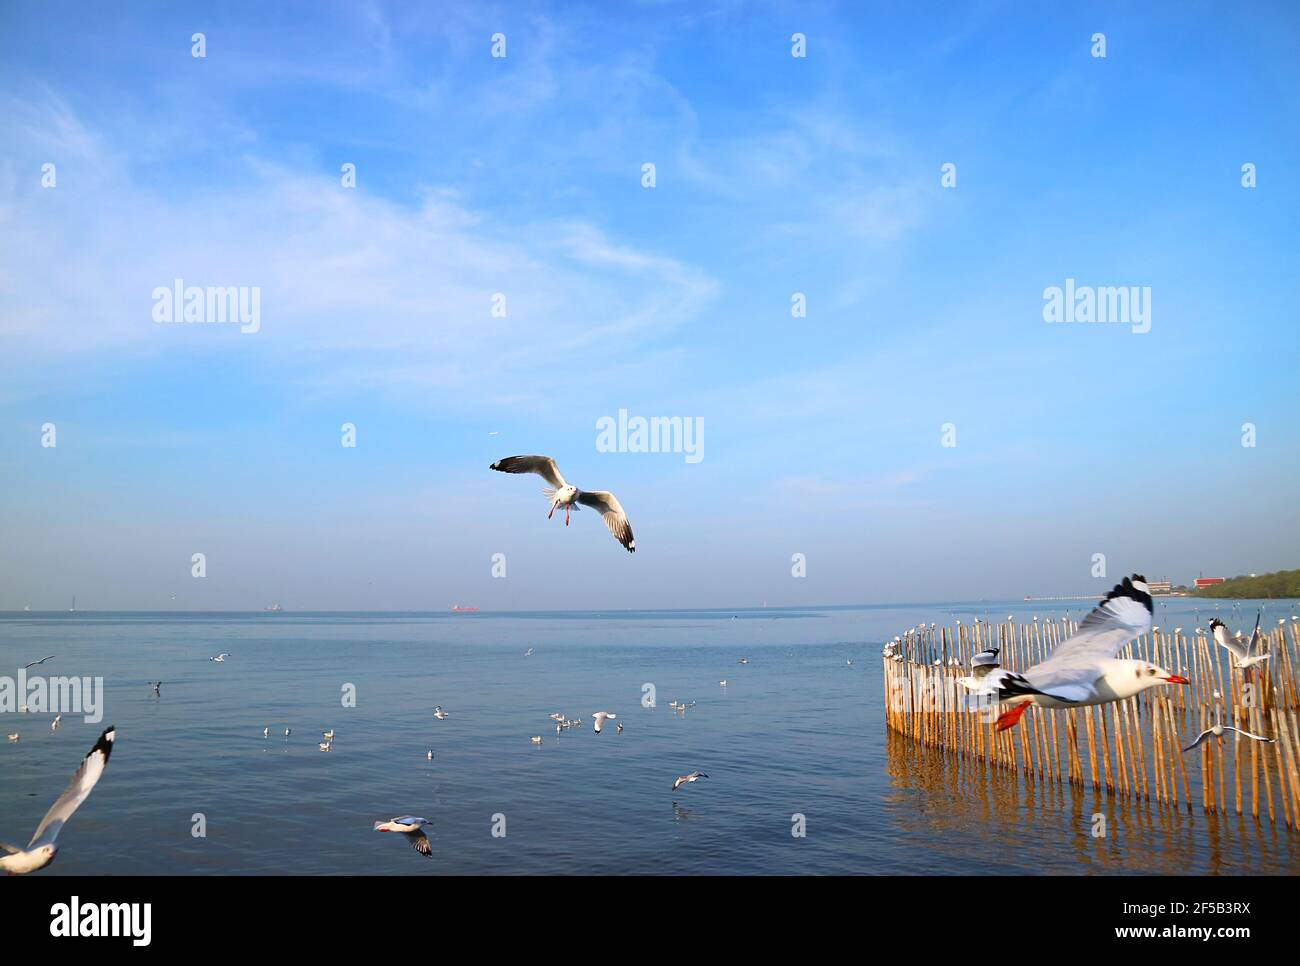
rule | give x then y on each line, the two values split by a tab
274	608
457	609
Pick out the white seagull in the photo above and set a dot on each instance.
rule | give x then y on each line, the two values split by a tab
157	687
13	736
325	745
1083	670
412	827
328	735
556	716
34	663
722	683
440	714
981	665
564	494
54	725
41	849
528	653
429	756
1218	728
220	658
600	717
536	739
1244	656
692	777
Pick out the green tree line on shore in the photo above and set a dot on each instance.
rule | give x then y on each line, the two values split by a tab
1284	583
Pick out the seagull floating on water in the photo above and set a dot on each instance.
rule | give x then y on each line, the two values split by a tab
440	714
41	849
599	717
220	658
429	756
328	735
685	779
413	828
536	739
13	736
564	494
1084	670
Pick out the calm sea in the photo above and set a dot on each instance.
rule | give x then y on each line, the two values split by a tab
797	731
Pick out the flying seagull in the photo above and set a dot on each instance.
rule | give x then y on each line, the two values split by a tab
412	828
1084	670
41	849
1245	656
692	777
1218	728
34	663
600	717
220	658
565	494
157	687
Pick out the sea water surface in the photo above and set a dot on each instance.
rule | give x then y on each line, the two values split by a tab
796	732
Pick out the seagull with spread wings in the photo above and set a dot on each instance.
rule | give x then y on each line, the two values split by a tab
1084	669
41	849
34	663
566	495
1218	728
413	828
1245	656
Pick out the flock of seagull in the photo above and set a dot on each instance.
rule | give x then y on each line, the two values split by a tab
1085	669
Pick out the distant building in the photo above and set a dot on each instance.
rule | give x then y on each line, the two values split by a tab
1207	581
1160	586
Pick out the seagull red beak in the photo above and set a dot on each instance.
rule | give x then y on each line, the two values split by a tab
1177	679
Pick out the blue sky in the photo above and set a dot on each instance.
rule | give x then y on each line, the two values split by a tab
522	175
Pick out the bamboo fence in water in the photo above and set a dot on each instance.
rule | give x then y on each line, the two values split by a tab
1132	748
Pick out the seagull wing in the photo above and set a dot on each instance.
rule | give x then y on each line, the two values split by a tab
1252	646
419	841
83	781
612	513
1224	639
543	466
1242	731
1123	615
9	849
34	663
1197	743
